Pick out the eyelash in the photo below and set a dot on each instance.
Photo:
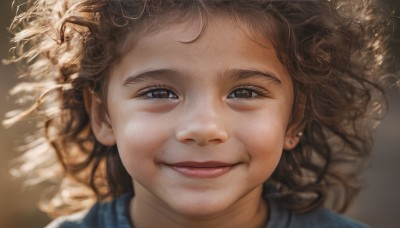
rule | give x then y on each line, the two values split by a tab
259	92
154	88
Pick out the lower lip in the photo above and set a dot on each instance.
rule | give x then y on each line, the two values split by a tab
209	172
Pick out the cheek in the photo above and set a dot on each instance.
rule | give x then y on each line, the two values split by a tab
264	140
263	130
140	140
263	137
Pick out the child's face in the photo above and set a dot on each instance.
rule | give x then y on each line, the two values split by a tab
199	125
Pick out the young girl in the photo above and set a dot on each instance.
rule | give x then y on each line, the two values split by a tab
200	113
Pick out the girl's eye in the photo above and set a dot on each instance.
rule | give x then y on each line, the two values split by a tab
159	94
244	93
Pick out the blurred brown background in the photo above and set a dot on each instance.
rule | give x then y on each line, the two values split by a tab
378	204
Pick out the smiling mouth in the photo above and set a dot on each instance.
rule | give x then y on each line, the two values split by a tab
210	169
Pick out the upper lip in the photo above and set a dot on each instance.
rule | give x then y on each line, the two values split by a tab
207	164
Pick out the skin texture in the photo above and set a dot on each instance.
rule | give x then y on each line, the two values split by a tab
223	98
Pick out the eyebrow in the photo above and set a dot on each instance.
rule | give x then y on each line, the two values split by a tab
231	74
241	74
152	74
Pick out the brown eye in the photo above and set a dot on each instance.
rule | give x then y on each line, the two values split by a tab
160	94
243	93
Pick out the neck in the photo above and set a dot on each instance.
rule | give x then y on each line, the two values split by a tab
248	211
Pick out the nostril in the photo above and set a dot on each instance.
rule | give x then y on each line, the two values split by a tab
202	136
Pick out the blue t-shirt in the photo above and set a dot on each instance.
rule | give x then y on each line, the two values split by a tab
115	214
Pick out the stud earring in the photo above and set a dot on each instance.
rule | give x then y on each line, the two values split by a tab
299	134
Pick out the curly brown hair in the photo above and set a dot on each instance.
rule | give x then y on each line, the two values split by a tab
334	50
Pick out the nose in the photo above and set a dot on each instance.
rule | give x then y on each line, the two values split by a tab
202	127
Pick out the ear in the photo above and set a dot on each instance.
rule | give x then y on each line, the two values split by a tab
296	124
292	137
99	121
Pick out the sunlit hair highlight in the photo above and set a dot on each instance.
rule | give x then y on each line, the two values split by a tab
335	52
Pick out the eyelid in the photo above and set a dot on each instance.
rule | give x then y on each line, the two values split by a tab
141	93
261	92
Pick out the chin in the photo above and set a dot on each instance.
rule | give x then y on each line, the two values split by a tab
201	207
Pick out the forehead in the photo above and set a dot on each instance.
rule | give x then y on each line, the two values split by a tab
259	27
222	39
196	34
